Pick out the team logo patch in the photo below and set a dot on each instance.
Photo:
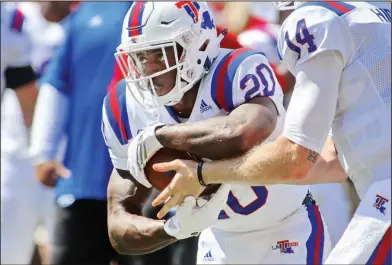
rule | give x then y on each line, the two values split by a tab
192	8
285	246
380	204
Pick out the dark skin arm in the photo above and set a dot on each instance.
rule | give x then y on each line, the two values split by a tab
226	136
129	232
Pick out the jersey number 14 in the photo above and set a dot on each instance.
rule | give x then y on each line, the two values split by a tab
302	36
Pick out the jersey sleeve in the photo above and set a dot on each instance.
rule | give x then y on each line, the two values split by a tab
242	75
17	50
313	104
19	44
313	28
115	125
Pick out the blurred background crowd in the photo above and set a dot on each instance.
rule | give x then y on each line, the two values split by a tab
71	48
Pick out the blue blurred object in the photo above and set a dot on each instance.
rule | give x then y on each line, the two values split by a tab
82	69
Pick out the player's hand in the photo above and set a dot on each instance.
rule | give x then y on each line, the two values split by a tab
191	218
48	172
141	149
183	184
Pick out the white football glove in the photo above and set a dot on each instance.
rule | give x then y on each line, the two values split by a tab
140	150
191	218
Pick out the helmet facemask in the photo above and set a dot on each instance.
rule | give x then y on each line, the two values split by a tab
185	29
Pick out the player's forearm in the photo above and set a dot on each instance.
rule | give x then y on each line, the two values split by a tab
327	168
278	162
137	235
215	138
324	171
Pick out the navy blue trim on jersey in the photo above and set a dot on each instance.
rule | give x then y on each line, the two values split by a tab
223	77
279	55
117	114
214	84
339	8
172	114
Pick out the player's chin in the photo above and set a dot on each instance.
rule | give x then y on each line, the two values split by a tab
161	87
161	91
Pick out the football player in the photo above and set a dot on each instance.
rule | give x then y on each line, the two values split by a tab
264	35
182	91
18	96
340	54
16	70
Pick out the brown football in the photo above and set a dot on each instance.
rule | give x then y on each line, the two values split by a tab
160	180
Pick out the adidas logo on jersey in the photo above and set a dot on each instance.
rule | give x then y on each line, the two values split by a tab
204	107
208	256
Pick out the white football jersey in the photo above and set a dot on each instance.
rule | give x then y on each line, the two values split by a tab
361	33
15	44
235	77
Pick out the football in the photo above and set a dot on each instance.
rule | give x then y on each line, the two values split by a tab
160	180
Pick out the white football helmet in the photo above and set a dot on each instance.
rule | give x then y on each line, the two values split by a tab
187	27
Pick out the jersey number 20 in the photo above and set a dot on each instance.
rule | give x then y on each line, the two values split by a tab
263	72
302	36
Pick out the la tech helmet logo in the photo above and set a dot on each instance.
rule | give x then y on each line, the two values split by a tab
192	8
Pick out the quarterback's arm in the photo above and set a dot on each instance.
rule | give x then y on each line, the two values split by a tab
129	232
251	118
327	168
289	159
